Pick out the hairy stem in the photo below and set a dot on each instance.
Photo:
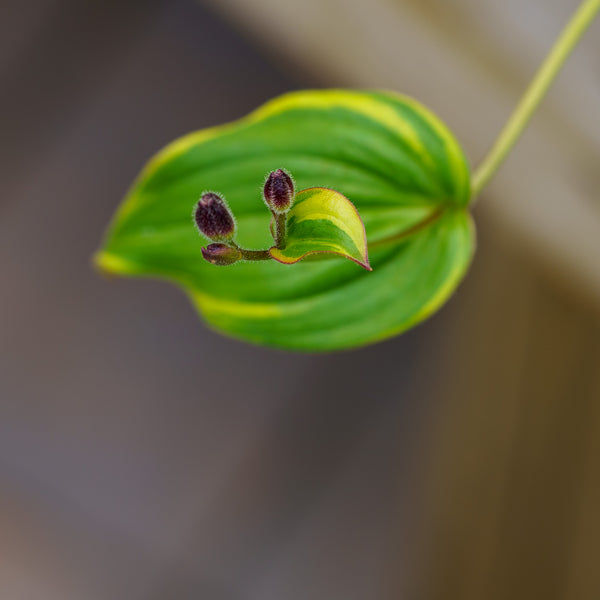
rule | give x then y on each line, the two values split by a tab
535	93
252	254
255	254
280	232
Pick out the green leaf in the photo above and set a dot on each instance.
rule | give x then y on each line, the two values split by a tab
396	162
323	221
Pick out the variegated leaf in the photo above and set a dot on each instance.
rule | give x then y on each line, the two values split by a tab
391	157
323	221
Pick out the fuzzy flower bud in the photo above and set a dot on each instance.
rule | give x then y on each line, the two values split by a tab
221	254
279	191
213	218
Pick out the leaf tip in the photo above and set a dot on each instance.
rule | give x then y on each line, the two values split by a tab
109	265
98	264
363	261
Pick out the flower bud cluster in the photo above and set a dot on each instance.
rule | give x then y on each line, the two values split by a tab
214	220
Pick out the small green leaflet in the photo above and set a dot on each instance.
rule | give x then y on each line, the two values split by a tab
392	158
323	221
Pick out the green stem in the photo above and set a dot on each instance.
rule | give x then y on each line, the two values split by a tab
280	229
535	93
255	254
252	254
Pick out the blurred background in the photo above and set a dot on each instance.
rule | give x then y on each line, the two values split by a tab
144	457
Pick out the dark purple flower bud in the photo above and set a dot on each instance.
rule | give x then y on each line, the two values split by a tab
221	254
279	191
213	218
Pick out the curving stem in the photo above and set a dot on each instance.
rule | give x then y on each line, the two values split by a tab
535	93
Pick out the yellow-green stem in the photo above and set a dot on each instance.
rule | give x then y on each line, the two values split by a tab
535	93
